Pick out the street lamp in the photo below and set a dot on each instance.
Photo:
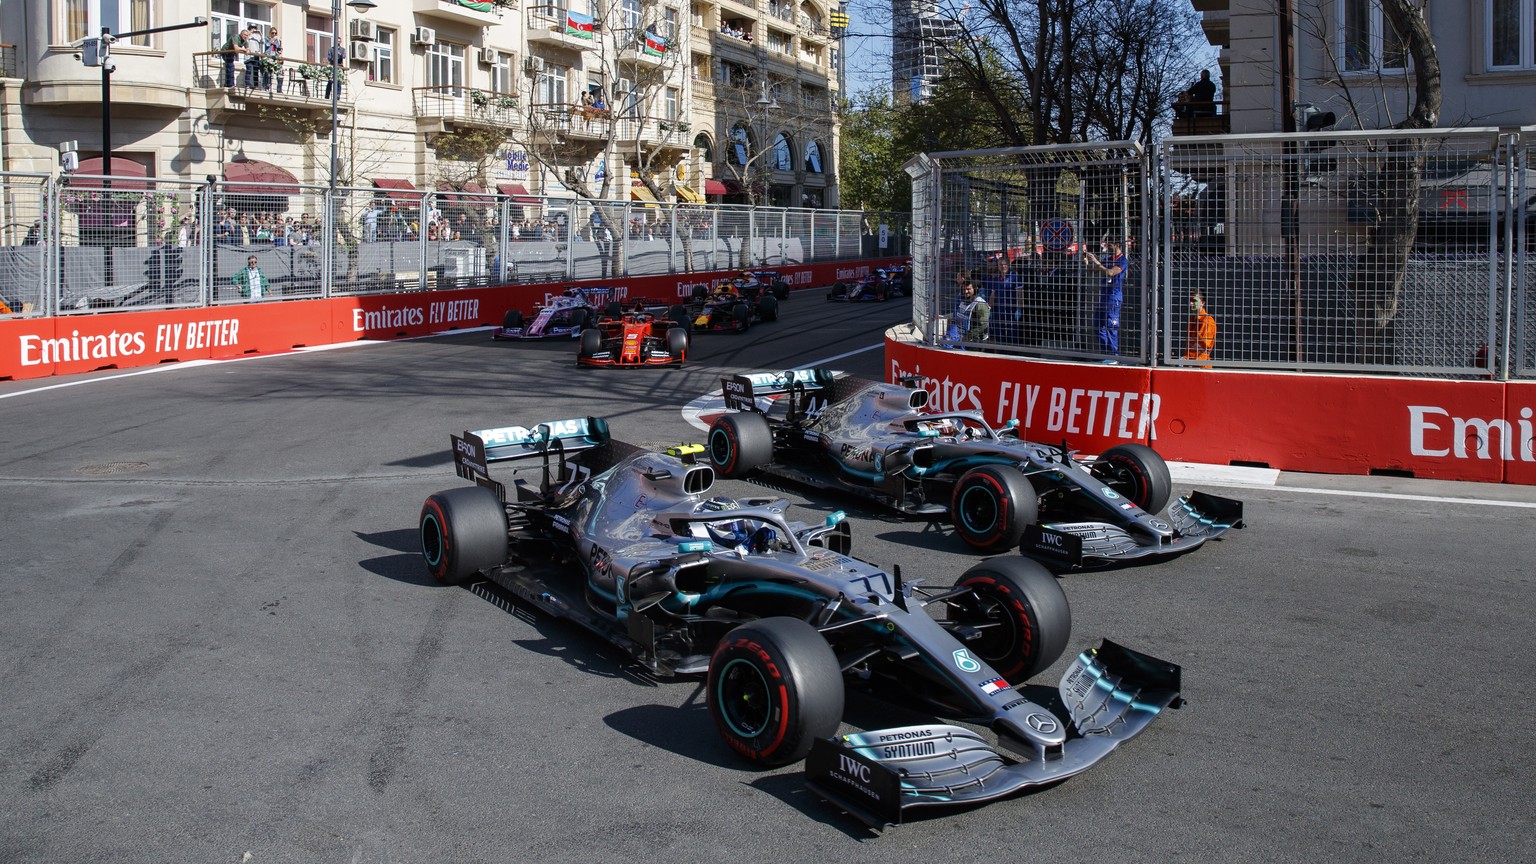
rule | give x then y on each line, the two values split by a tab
335	58
102	54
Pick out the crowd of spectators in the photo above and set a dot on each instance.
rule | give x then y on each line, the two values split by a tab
735	33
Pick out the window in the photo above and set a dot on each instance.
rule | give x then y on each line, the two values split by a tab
626	98
778	41
317	38
813	158
551	84
669	102
445	66
382	67
630	15
501	73
740	141
696	14
1511	41
125	16
783	157
1370	44
229	17
76	21
669	18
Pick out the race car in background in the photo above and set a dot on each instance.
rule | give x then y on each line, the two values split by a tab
880	285
752	283
778	618
727	309
635	338
874	439
566	314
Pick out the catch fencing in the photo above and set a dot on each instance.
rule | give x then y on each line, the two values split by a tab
1381	251
78	244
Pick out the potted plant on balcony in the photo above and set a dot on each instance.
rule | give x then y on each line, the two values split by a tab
480	99
506	102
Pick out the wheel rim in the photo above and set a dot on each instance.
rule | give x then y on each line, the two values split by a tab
978	511
719	448
743	696
999	632
1119	477
431	540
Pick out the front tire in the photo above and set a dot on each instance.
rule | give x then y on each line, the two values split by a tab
992	505
1138	473
781	289
739	443
677	343
512	319
591	343
768	307
1021	613
463	532
742	315
774	687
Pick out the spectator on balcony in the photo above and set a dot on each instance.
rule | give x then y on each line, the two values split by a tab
255	49
336	56
274	53
1202	96
231	49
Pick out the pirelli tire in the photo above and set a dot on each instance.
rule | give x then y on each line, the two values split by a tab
739	443
679	316
781	289
513	318
768	307
838	292
774	687
463	532
677	343
741	315
578	319
1138	473
991	505
1018	613
700	292
591	343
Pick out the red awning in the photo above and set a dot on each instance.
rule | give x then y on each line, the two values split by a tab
404	191
518	193
253	171
445	192
120	168
474	188
715	187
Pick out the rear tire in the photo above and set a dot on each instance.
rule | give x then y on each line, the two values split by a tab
591	343
463	532
739	443
991	505
774	687
1138	473
700	292
677	343
1022	613
579	318
513	318
679	316
781	289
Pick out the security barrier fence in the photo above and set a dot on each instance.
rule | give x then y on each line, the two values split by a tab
78	244
1381	251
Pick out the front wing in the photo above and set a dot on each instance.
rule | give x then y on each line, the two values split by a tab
1195	518
1111	694
645	357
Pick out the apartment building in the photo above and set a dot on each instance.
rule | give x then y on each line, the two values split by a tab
1342	56
724	101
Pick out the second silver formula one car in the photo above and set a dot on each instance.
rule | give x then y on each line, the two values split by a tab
874	439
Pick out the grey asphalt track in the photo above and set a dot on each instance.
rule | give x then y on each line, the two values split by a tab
218	644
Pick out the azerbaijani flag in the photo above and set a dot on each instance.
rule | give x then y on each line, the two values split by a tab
477	5
578	25
655	45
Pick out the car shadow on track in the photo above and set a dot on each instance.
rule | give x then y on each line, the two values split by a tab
405	566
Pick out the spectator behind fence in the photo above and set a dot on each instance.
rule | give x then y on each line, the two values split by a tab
1110	295
1001	289
251	282
972	316
1200	335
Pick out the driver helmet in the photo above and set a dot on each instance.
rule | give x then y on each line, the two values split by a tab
730	534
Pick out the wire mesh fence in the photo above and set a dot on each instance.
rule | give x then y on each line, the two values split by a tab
1381	251
24	244
130	242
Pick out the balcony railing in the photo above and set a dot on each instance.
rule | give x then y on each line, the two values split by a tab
270	79
595	124
7	60
1201	118
467	106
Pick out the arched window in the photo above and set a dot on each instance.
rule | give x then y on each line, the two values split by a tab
783	153
813	161
701	142
741	145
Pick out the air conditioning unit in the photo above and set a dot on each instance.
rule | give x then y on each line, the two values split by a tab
362	52
365	30
424	36
534	65
488	56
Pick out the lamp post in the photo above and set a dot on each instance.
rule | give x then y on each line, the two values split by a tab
104	57
335	59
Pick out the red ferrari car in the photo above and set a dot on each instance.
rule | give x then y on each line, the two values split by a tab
634	338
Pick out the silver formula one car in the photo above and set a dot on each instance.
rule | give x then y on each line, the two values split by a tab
630	544
875	440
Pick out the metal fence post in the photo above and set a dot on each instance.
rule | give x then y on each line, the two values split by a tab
503	240
428	201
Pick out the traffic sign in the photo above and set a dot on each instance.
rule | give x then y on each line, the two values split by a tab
1056	236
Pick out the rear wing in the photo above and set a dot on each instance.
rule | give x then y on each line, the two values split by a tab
741	391
553	441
